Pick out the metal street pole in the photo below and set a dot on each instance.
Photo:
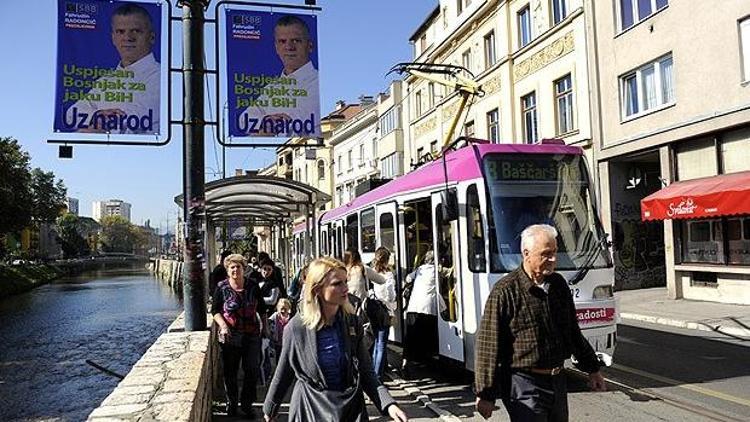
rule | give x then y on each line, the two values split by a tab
194	283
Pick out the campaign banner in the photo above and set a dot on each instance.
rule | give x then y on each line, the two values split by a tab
108	67
272	74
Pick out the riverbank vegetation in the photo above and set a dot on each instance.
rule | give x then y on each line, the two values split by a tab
15	279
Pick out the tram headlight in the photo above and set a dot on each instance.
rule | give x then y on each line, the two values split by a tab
603	292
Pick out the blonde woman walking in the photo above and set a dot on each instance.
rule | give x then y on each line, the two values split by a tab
324	353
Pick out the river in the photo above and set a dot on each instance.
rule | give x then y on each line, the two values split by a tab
47	334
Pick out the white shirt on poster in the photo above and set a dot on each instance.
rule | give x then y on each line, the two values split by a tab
146	71
306	78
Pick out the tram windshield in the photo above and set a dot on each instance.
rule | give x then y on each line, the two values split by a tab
552	189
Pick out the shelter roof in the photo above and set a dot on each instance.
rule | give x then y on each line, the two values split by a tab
260	199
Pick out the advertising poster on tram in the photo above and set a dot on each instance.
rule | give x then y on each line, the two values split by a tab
272	74
109	67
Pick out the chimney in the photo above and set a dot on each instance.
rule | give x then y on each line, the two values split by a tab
340	104
238	172
365	100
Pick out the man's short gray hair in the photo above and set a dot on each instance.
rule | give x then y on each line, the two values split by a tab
529	233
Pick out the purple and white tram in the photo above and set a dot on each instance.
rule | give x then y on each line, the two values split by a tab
469	208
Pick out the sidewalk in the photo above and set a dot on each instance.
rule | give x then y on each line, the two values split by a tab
652	305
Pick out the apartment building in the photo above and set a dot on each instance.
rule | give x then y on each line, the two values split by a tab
529	58
671	101
354	147
101	209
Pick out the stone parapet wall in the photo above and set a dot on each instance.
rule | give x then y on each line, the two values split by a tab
169	271
173	381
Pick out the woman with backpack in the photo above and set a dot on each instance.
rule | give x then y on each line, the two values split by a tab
386	294
358	274
324	357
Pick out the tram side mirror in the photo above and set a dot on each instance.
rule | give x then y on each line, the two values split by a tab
450	205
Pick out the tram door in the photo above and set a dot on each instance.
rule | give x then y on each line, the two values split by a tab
387	234
447	267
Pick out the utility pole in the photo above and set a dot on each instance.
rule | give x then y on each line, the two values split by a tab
193	285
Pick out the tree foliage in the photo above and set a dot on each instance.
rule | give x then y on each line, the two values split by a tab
15	192
119	235
48	196
69	229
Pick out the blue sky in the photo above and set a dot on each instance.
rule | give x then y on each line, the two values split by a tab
359	40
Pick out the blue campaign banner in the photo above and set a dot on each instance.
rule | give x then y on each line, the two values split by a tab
108	67
272	74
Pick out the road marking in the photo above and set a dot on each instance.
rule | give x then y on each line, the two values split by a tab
688	386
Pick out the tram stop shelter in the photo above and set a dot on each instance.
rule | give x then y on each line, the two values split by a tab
260	201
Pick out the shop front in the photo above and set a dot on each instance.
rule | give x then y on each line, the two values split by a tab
710	218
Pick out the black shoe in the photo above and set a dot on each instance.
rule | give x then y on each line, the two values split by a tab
249	412
231	409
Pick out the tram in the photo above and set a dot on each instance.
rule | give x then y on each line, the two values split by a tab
469	207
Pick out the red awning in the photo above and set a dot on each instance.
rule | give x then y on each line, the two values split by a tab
715	196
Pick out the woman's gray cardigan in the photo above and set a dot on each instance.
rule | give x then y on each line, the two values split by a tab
299	362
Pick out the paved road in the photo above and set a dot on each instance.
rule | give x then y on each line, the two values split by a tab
661	374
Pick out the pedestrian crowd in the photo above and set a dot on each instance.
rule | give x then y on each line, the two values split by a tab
325	337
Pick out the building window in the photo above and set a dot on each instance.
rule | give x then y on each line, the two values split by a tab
493	129
321	170
420	153
745	43
459	7
559	10
564	105
422	43
528	111
430	94
418	103
524	26
490	57
362	157
466	59
634	11
469	129
390	121
648	87
339	165
390	166
349	160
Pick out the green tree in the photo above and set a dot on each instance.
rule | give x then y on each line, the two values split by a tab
117	234
69	236
48	196
15	190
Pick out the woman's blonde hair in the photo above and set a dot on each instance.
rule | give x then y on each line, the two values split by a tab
235	258
312	307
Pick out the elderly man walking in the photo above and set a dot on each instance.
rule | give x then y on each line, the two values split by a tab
528	329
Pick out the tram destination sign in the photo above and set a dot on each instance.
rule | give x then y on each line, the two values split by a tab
522	169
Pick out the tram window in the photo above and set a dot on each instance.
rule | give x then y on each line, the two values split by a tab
351	232
446	269
324	244
475	249
367	230
387	232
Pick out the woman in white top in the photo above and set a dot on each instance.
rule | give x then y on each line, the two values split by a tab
386	293
421	313
358	274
